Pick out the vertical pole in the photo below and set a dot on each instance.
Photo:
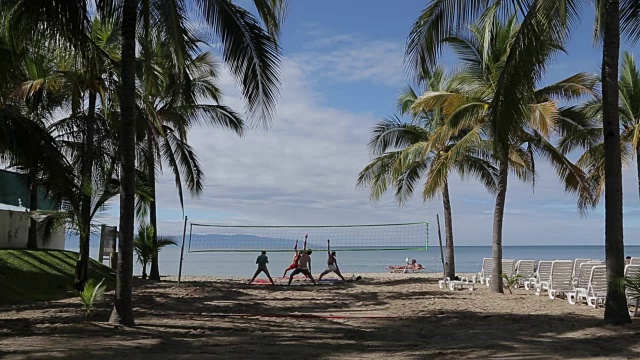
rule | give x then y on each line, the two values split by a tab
102	236
444	270
184	235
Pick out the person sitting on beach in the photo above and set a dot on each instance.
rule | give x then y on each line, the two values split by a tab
304	264
414	265
332	263
262	262
294	262
627	260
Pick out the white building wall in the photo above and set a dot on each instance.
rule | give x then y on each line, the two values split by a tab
14	232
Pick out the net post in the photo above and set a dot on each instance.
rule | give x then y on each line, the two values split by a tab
426	245
184	235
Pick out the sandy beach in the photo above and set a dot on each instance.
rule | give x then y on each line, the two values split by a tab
404	316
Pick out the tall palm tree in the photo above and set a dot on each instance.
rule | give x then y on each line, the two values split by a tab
520	127
407	151
542	19
251	53
169	108
253	58
590	137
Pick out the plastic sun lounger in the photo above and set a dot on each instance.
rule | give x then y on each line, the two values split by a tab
541	281
596	292
576	269
580	285
560	278
486	271
457	284
461	284
524	268
403	269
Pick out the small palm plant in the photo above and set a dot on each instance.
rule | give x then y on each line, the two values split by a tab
510	282
145	248
632	289
90	294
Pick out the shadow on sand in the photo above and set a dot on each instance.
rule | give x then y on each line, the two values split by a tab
194	323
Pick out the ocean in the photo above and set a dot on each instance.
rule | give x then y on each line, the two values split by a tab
468	259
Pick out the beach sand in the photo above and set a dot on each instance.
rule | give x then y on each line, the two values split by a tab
382	316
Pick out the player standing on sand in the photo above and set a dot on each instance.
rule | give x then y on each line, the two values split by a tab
332	263
294	262
262	262
304	263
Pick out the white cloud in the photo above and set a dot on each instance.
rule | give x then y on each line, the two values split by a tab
302	171
344	58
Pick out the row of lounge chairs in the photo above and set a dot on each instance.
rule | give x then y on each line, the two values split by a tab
579	280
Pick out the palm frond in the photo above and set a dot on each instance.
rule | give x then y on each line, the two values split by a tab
253	56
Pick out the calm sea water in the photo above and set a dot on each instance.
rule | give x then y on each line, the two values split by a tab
468	259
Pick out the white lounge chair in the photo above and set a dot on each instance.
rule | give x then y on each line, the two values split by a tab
541	281
582	282
526	270
508	266
486	271
577	273
560	278
597	287
576	268
634	261
461	284
632	271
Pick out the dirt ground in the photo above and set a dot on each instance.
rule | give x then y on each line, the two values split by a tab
381	316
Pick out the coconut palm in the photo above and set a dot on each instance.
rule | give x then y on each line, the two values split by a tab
519	128
408	151
542	20
168	108
590	138
251	53
252	56
146	248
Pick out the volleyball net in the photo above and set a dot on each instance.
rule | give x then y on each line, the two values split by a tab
228	238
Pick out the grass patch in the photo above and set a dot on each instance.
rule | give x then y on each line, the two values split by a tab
42	275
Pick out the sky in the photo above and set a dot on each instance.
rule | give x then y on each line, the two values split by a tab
341	73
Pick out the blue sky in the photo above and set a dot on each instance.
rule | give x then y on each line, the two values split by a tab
342	70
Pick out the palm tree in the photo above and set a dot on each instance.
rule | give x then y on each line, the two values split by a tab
407	151
251	53
543	19
146	248
520	127
590	138
169	106
252	56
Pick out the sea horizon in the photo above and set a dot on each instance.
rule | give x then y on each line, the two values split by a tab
468	259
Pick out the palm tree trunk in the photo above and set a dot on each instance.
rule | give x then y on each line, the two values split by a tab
86	171
122	312
616	311
498	217
144	270
32	240
450	264
155	271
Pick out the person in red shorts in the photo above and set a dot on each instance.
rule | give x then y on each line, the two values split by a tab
294	262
